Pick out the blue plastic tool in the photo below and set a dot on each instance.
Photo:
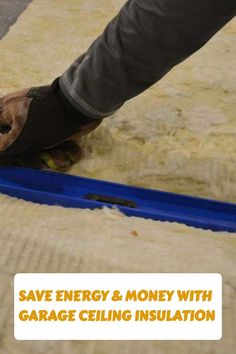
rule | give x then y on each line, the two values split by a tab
70	191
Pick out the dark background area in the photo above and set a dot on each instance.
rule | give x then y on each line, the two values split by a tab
9	11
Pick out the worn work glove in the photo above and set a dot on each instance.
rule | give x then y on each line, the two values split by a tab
58	158
38	119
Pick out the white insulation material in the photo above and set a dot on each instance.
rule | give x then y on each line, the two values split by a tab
36	238
178	136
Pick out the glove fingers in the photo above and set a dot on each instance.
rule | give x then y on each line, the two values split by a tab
61	157
31	161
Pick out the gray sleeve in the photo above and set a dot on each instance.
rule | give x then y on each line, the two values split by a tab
138	47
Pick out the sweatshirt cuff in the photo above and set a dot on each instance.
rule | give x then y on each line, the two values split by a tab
78	103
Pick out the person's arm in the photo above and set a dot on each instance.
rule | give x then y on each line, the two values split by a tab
140	45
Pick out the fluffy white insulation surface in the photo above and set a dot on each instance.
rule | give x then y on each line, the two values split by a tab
178	136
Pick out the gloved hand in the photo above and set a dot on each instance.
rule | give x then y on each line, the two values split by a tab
58	158
35	119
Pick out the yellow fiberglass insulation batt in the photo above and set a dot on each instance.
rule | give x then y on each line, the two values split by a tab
178	136
53	239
